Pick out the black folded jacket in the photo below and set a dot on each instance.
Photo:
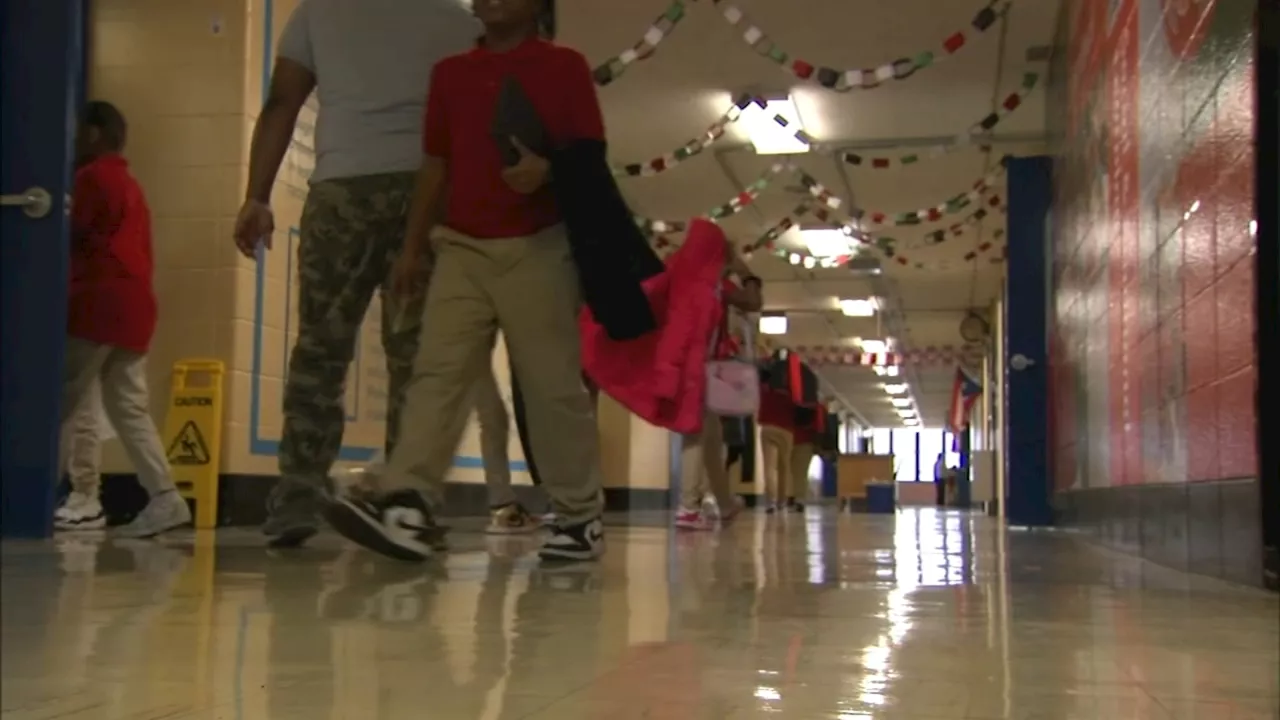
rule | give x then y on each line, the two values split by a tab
611	252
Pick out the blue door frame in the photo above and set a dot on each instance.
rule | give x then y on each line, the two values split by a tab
42	61
1026	347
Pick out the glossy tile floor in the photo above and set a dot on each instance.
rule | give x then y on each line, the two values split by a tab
926	614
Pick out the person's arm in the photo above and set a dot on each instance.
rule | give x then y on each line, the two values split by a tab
426	207
746	298
292	80
291	85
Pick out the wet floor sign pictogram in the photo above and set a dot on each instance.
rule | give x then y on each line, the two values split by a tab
193	434
189	448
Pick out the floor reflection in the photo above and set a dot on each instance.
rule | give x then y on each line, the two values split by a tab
926	614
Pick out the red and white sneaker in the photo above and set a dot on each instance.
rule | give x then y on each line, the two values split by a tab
687	519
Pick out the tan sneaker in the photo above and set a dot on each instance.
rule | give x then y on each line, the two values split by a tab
511	519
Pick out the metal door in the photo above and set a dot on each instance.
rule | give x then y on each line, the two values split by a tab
41	42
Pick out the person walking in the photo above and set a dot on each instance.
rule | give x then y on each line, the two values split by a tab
112	313
368	62
702	466
503	262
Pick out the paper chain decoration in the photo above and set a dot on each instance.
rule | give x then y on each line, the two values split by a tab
1011	102
862	217
717	130
885	245
693	147
932	355
864	79
733	206
613	68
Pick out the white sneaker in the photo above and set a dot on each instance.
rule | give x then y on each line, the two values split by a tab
80	511
165	511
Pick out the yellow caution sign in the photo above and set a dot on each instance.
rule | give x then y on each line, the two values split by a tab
193	434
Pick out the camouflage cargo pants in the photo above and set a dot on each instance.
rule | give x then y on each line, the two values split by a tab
352	232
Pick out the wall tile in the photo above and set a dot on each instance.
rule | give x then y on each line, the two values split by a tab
1235	300
1237	425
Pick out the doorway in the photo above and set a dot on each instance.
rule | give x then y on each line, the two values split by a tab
1267	216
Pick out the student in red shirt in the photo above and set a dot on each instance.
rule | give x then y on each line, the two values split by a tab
111	314
503	262
776	418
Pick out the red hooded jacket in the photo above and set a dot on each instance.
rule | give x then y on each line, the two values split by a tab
661	376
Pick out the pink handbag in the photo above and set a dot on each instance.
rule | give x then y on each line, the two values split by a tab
733	385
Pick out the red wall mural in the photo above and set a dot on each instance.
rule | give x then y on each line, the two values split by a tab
1152	352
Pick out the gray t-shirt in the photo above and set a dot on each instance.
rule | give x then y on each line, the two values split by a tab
372	60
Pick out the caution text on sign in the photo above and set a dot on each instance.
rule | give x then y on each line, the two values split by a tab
193	434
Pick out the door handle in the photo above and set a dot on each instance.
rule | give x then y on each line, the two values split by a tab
35	202
1020	362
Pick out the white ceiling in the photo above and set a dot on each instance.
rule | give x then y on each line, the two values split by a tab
662	102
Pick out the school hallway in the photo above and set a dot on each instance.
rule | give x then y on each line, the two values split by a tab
927	614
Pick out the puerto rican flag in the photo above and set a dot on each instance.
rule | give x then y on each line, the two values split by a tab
964	393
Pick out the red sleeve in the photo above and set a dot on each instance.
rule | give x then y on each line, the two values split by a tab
584	121
95	206
435	125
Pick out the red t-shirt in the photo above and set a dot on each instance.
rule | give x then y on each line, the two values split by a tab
460	109
111	297
776	409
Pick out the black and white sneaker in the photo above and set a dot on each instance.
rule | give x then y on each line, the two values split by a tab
398	525
584	541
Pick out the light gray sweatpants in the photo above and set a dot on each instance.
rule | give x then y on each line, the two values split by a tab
122	376
80	453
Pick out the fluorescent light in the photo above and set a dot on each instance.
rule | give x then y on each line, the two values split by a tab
873	346
901	402
859	308
911	422
826	242
773	324
895	388
886	370
906	414
766	134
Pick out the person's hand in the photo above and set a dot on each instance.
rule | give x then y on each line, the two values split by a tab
407	275
255	224
526	176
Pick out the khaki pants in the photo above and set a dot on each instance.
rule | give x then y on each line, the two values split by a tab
80	454
775	446
495	430
801	458
702	467
122	376
528	288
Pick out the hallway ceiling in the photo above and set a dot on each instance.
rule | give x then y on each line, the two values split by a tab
674	95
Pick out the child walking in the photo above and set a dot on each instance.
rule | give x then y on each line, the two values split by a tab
111	314
503	262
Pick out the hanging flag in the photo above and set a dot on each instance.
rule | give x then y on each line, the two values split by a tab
964	393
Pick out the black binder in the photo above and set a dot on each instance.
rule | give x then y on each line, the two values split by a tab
515	116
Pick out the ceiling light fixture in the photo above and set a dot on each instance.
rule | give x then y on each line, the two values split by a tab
773	323
860	308
895	388
910	422
901	402
826	242
767	135
874	346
